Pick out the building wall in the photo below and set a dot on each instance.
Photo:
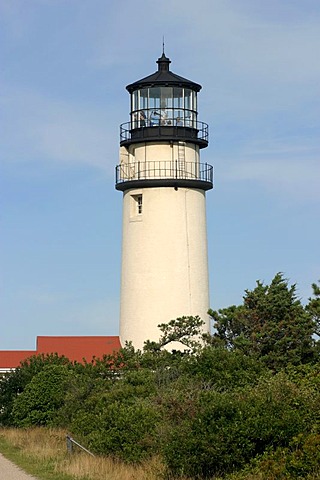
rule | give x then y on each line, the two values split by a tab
164	260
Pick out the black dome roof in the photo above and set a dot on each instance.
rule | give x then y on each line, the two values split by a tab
163	77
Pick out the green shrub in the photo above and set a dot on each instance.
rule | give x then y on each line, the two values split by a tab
125	431
299	461
224	369
230	428
12	384
43	396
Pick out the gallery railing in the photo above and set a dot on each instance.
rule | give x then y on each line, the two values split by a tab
181	129
164	170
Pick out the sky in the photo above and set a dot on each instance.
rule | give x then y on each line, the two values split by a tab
64	68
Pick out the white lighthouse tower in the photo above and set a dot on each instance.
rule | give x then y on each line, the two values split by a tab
164	238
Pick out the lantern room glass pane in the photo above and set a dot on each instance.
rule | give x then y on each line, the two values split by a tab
178	97
166	97
134	101
164	106
187	99
144	93
166	103
154	97
194	101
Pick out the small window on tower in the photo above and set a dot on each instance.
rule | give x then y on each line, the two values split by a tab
136	206
139	204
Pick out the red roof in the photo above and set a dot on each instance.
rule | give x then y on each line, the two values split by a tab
74	348
78	348
12	358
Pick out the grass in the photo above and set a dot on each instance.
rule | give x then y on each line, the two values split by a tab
43	452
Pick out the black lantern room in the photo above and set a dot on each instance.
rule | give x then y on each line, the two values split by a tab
164	107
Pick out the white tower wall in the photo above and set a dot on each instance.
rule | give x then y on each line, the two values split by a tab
164	244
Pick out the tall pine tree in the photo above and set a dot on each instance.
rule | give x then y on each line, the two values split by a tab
271	324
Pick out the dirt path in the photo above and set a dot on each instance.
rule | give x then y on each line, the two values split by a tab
9	471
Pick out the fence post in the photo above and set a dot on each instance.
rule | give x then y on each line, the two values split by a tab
69	444
71	441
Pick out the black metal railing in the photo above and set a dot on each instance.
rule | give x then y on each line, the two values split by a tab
185	130
164	170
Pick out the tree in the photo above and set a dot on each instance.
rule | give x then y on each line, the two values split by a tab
222	369
272	324
224	431
43	396
313	307
185	330
13	383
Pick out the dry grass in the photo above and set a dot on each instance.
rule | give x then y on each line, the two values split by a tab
98	468
47	449
48	446
40	443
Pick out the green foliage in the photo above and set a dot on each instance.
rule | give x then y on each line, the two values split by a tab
225	430
299	461
271	324
42	397
222	369
120	420
123	430
185	330
13	383
313	307
241	404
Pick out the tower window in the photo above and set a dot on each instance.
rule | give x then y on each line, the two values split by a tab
136	208
139	204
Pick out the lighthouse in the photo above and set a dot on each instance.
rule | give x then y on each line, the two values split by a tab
164	273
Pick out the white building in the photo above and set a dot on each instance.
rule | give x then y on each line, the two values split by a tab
164	184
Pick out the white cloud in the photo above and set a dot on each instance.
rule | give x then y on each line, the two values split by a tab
290	170
230	37
39	128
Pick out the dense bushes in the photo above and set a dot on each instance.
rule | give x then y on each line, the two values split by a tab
236	405
119	419
13	384
42	397
120	429
300	460
229	428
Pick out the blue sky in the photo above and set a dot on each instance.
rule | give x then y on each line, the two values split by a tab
65	65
